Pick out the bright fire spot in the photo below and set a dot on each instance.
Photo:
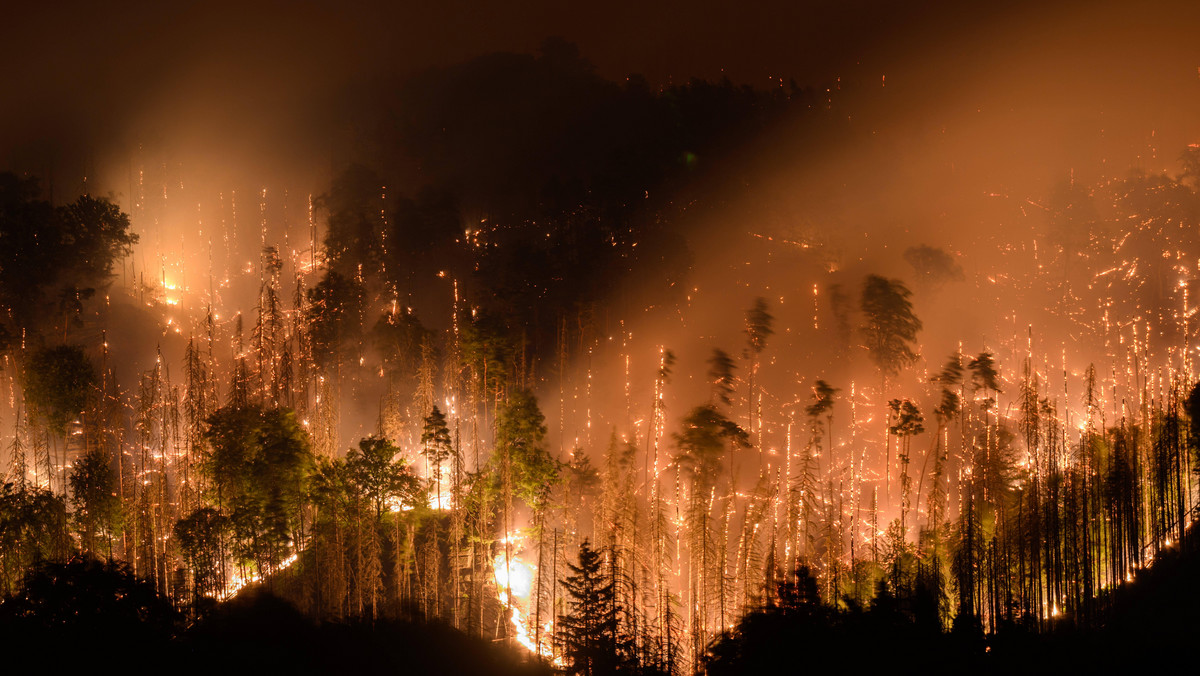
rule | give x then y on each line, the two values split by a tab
514	581
516	577
238	582
440	502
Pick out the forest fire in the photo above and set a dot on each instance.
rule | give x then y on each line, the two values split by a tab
514	582
623	374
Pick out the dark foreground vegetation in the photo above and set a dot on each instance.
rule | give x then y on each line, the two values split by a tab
69	614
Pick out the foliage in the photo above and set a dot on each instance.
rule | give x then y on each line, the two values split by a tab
822	399
97	508
258	466
436	447
797	626
354	205
33	527
59	382
1192	407
583	485
948	378
905	420
202	536
398	337
984	375
933	266
334	316
489	349
890	327
720	376
758	326
379	477
520	432
702	444
588	633
422	236
435	438
584	477
85	603
47	252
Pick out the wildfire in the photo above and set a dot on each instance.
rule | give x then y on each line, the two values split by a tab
238	581
514	582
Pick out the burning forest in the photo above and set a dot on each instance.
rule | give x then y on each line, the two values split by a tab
567	372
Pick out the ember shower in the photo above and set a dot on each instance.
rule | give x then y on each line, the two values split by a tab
734	339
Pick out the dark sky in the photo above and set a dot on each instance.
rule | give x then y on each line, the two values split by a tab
85	80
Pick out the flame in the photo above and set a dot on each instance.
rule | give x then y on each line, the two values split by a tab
445	502
514	582
514	578
238	582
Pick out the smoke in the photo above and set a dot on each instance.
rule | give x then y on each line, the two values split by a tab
942	125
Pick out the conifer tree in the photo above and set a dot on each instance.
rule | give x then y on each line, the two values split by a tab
588	633
890	331
436	447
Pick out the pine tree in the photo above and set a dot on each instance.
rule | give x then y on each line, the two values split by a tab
588	634
905	422
890	327
436	447
890	331
758	328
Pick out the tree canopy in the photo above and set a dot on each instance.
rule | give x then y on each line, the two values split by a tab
589	631
520	432
258	464
53	254
890	327
379	476
59	382
703	441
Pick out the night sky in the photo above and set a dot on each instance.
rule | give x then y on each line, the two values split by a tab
87	82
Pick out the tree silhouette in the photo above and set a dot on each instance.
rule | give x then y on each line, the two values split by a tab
334	316
379	476
905	422
890	330
49	254
33	527
436	447
588	633
520	432
702	444
355	207
890	327
94	498
720	376
758	329
88	604
58	384
202	537
933	266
